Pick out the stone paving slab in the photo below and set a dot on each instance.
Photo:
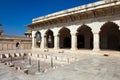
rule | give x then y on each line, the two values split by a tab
93	68
89	67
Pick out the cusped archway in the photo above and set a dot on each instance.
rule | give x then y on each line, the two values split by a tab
37	39
49	39
18	45
84	37
65	38
110	36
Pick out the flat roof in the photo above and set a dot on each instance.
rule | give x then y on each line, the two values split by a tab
75	10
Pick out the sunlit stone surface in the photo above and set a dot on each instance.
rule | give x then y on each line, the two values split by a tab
82	43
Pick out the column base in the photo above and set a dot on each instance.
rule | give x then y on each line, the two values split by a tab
96	49
32	47
74	49
56	48
42	48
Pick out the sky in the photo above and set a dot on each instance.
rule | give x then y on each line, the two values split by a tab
16	14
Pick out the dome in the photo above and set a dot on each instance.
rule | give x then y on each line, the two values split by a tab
28	31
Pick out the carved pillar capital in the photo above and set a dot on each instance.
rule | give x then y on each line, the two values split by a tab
45	36
73	34
57	35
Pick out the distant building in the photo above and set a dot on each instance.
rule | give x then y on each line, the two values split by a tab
94	26
28	33
13	42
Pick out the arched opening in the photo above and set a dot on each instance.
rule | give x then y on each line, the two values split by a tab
84	37
37	39
49	39
110	36
65	38
18	45
81	41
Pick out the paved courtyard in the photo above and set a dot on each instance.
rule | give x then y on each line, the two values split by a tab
88	67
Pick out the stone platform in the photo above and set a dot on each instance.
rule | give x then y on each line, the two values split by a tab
88	67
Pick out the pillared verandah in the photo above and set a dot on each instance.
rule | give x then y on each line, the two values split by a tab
94	26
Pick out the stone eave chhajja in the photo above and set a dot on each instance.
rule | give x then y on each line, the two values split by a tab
88	8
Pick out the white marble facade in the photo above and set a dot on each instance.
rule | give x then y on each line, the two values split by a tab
94	26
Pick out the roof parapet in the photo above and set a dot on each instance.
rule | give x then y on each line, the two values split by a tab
64	12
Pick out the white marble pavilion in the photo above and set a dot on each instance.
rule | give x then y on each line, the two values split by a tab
94	26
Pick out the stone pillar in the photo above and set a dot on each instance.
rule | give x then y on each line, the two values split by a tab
33	42
95	26
43	42
73	41
56	42
96	42
30	36
33	39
